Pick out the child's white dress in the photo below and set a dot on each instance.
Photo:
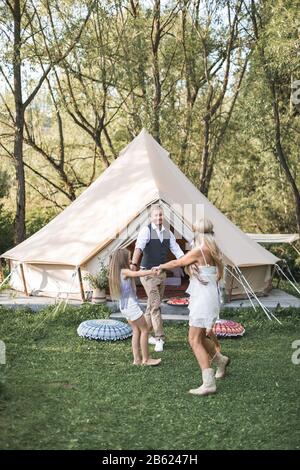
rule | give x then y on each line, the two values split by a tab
204	304
128	302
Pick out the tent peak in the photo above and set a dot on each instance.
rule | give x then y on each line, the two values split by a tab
145	134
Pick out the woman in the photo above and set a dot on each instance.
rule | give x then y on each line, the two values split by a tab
204	303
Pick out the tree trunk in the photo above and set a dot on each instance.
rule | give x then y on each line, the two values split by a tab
20	233
205	157
280	153
185	140
156	100
155	38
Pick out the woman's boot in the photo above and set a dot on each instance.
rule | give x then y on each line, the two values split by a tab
209	384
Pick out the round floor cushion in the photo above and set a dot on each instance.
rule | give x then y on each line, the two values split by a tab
228	328
180	301
105	330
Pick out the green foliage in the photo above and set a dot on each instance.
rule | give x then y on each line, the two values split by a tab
288	254
75	315
37	218
4	184
286	286
4	286
6	230
37	325
111	70
100	279
6	216
3	375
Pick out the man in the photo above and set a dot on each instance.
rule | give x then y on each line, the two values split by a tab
154	242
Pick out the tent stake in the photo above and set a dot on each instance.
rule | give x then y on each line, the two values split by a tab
81	285
23	279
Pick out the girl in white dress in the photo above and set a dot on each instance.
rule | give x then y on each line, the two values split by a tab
204	306
122	287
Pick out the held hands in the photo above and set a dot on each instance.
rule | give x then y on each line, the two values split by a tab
133	267
156	270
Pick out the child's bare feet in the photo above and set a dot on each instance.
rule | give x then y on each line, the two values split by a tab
152	362
137	362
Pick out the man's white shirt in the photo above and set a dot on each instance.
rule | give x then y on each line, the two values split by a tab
144	238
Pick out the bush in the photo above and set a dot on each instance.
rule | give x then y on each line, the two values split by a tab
100	279
37	219
5	183
289	254
6	230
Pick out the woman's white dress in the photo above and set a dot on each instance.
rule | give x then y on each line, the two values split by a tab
204	304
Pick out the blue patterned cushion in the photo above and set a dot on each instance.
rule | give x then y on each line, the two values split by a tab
105	330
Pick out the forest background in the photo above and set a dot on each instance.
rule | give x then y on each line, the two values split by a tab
217	83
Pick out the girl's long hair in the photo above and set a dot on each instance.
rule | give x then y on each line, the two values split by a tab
119	260
204	235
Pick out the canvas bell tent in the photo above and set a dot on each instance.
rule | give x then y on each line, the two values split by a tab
109	214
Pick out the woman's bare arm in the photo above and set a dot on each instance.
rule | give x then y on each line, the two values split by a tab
189	258
140	273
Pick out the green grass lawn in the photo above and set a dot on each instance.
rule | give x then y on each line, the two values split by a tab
59	391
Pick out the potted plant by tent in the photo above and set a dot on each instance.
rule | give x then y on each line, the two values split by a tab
98	282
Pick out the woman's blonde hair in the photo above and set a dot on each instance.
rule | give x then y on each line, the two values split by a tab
204	235
119	260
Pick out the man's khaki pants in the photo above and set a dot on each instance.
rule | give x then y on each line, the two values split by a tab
154	287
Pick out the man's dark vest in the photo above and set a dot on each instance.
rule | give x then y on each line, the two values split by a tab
155	252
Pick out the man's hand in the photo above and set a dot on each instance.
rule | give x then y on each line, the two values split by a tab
156	270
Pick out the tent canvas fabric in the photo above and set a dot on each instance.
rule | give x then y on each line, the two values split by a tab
109	214
274	237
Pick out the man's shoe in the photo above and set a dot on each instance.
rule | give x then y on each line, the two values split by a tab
151	340
159	346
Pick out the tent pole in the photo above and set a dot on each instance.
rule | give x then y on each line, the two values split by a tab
283	273
265	309
231	286
244	287
9	275
270	286
23	279
1	271
296	249
80	284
